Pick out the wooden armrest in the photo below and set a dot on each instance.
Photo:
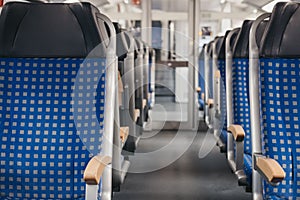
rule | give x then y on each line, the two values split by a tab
144	103
95	168
203	96
271	169
136	114
210	103
217	74
237	132
198	89
124	132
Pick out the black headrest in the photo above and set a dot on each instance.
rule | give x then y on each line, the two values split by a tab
219	41
145	46
121	42
281	37
136	48
117	27
210	48
221	52
241	46
48	30
234	37
151	52
260	31
201	54
139	47
127	38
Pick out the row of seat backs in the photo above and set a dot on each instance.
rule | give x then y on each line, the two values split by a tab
241	86
280	102
42	50
240	43
278	41
240	92
220	53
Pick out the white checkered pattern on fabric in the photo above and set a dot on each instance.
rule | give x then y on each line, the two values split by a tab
280	98
42	147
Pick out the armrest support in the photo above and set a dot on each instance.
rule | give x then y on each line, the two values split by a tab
235	155
270	169
95	168
237	131
124	132
210	103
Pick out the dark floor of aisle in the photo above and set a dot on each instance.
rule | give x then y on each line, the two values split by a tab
188	178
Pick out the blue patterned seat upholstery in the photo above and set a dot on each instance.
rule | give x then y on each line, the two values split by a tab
150	85
280	102
220	53
223	90
240	87
209	84
45	143
201	81
222	68
240	80
51	100
280	113
223	100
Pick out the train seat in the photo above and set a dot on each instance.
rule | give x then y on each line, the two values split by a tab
151	89
55	130
219	112
125	112
279	93
201	81
229	41
241	149
240	86
139	83
208	77
125	53
146	66
239	142
222	68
